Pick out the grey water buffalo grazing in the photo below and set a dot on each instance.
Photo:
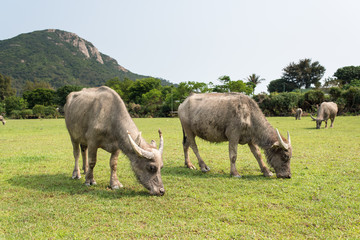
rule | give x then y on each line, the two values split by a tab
97	118
325	111
298	114
236	118
2	120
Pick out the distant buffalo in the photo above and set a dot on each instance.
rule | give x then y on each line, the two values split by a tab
325	111
236	118
97	118
2	120
298	114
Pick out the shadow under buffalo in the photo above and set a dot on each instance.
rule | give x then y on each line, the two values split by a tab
63	183
197	173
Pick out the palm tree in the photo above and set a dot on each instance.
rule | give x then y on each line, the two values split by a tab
255	80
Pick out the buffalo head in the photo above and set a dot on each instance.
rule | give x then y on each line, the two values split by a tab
147	165
278	156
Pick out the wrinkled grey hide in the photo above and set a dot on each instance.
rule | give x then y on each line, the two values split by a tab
97	118
2	120
298	114
325	111
233	117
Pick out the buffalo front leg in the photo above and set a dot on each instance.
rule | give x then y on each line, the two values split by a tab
257	154
76	151
233	156
84	156
325	123
191	141
114	182
89	179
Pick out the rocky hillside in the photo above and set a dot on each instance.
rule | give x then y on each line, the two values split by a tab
60	58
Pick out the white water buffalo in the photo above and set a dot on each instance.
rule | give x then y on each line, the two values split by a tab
97	118
325	111
298	114
2	120
236	118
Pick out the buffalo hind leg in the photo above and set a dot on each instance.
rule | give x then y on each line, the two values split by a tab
89	179
186	145
114	182
257	154
84	157
332	122
233	155
76	151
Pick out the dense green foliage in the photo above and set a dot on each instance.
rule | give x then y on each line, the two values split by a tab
347	74
5	87
304	74
55	57
39	200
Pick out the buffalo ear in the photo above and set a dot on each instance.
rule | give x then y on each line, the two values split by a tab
153	143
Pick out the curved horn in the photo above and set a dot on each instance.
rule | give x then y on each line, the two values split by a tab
289	140
138	150
161	145
312	117
282	143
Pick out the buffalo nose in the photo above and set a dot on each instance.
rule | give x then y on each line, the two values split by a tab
161	191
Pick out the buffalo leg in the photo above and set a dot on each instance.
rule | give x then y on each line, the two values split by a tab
233	155
186	145
89	179
325	123
84	157
76	151
332	122
190	140
114	182
257	154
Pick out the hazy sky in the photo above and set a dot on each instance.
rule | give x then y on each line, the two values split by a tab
201	40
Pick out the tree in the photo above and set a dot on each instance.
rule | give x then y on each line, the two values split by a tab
142	86
5	87
255	80
346	74
232	86
61	93
14	103
304	73
281	85
40	96
121	87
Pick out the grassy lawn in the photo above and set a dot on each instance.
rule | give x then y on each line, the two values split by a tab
39	200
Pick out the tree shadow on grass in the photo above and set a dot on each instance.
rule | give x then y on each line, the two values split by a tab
186	172
64	184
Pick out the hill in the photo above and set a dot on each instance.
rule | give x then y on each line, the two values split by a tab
59	58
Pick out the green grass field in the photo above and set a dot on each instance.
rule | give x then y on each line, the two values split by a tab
39	200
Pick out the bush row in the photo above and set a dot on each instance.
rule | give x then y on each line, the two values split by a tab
284	104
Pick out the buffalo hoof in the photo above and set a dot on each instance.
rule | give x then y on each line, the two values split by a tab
76	175
268	174
236	176
116	185
191	166
205	169
90	183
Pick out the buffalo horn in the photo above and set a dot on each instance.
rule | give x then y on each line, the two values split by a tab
139	151
161	145
282	143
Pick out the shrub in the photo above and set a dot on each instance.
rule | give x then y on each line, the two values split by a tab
50	111
16	114
26	113
352	98
39	110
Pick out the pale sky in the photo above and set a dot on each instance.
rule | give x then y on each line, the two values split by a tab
201	40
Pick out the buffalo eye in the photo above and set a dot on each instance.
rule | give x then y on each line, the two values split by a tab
152	168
